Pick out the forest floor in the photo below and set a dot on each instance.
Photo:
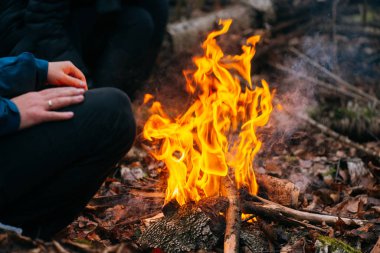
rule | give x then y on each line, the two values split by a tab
332	175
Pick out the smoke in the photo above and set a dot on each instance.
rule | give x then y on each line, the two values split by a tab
295	95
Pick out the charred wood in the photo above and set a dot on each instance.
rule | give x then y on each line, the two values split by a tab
193	226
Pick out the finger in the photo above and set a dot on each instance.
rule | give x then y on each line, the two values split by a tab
56	116
61	102
73	81
61	92
76	73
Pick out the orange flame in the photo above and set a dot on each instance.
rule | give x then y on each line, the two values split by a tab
218	131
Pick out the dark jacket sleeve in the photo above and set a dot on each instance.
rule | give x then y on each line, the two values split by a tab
18	75
45	32
21	74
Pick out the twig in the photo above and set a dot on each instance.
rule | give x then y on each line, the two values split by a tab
306	225
273	210
338	136
333	76
233	217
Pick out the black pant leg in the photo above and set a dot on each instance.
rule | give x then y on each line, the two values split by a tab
122	61
121	47
159	11
49	172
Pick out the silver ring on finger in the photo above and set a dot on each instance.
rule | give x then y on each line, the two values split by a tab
50	104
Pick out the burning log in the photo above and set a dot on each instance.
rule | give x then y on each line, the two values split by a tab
189	227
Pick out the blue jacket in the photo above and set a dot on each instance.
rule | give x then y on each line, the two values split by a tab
18	75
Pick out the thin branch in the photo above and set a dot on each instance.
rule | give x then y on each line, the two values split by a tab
273	210
233	217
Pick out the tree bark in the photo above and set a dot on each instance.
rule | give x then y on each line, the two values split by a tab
193	226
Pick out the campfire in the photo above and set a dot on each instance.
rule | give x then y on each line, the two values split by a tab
210	148
209	153
218	131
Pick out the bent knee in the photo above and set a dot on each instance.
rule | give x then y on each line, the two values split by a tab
113	113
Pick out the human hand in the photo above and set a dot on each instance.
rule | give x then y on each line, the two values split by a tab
37	107
64	73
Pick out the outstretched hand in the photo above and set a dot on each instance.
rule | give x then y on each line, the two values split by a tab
38	107
64	73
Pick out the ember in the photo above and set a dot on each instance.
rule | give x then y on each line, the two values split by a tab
218	130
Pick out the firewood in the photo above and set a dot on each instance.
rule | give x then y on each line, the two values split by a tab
233	217
279	190
271	210
192	226
185	34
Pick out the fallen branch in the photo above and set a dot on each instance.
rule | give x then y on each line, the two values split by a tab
233	217
266	208
333	76
338	136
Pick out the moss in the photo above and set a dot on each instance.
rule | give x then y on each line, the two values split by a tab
333	245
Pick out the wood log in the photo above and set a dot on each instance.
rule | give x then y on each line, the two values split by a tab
184	35
193	226
279	190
